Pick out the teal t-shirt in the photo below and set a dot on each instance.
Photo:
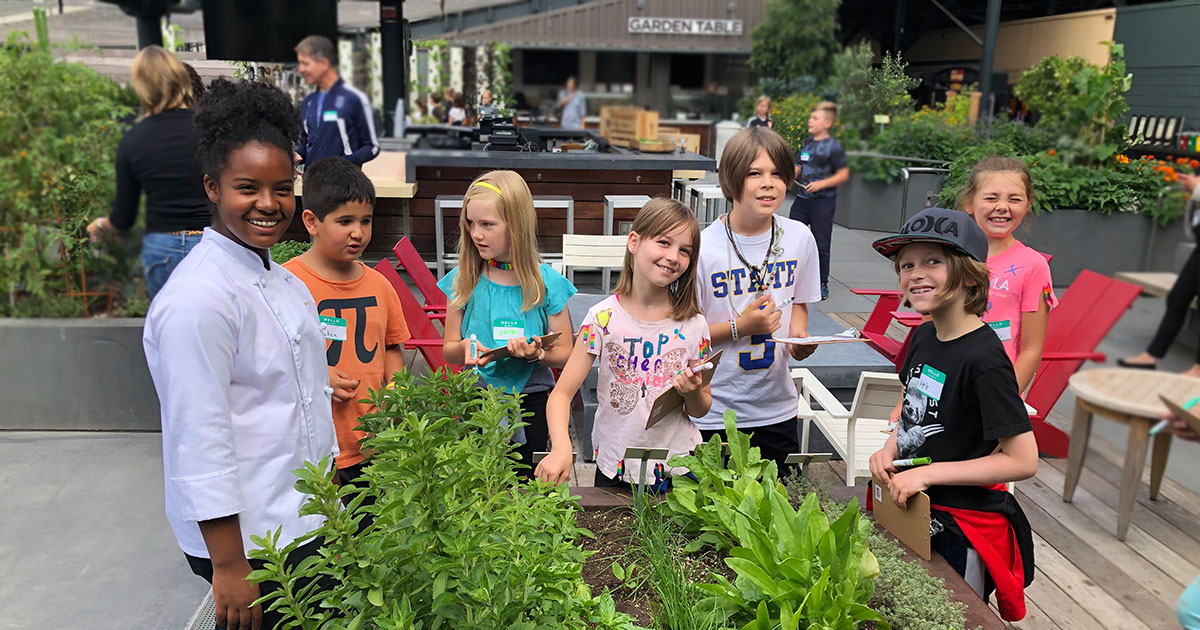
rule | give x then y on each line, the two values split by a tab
496	308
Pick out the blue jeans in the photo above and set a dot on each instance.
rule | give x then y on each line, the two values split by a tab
161	252
1188	608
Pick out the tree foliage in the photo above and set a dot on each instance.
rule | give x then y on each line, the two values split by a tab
796	37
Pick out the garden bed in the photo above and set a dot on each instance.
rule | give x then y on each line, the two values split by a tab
865	204
608	515
1105	243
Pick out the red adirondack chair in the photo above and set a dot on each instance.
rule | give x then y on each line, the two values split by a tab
426	338
414	266
1084	315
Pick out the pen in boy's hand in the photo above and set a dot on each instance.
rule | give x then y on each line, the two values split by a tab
784	304
915	461
1162	424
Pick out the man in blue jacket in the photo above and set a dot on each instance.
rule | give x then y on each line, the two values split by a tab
338	120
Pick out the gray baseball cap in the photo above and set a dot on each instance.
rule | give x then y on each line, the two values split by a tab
951	228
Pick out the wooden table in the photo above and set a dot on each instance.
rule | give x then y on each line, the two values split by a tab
1129	396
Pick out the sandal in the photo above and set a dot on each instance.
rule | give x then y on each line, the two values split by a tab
1139	366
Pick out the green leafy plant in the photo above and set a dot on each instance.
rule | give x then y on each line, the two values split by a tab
791	117
794	567
59	128
795	38
454	540
905	594
1081	100
864	91
284	251
502	85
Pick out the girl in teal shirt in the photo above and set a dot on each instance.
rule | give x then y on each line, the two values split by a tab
502	294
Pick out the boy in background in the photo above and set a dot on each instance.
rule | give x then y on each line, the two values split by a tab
820	168
360	312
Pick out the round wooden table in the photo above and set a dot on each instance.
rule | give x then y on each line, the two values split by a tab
1129	396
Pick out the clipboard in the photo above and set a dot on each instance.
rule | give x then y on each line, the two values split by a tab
501	352
817	341
910	526
671	400
1181	413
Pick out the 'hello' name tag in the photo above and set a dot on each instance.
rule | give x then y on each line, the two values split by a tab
1003	330
505	329
334	328
329	115
805	156
931	382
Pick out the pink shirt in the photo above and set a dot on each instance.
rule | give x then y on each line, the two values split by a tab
638	361
1020	282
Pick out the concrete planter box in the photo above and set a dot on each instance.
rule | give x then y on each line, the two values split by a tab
1103	243
78	375
869	205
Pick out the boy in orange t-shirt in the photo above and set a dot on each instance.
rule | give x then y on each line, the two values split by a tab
360	312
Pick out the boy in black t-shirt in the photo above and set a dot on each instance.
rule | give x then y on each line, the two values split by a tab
962	409
820	168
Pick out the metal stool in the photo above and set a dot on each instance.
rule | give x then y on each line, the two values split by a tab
708	202
455	202
611	204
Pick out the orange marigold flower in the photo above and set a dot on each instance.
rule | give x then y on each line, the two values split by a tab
1194	164
1052	152
1181	160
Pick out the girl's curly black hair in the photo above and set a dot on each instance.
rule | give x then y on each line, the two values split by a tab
231	114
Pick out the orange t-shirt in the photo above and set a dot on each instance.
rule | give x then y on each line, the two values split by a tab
374	321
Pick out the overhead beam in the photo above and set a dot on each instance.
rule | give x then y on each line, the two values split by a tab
483	16
958	23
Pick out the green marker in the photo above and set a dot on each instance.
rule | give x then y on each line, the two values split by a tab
915	461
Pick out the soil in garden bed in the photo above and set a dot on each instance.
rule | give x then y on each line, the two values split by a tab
614	542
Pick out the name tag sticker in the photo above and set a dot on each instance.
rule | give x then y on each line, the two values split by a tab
1003	330
329	115
931	382
334	328
805	156
505	329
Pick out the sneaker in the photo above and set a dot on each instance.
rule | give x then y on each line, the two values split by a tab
824	292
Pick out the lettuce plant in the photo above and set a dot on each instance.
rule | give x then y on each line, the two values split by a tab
795	568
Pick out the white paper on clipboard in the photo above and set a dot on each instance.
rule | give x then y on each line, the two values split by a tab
671	400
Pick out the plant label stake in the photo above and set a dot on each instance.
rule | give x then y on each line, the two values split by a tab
540	455
804	459
645	453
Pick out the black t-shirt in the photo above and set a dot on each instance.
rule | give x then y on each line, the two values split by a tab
157	156
755	121
978	403
819	159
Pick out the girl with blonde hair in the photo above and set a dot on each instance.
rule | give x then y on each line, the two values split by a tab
502	294
157	157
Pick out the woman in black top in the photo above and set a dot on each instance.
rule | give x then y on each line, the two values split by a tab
157	156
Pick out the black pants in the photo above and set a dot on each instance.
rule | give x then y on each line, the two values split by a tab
270	618
1179	303
774	441
537	434
817	214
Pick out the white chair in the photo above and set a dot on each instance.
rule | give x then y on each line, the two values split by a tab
590	250
454	202
855	434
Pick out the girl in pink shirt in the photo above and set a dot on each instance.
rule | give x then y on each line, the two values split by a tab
998	195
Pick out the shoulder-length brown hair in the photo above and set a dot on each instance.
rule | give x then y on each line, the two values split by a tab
514	204
963	273
660	216
161	82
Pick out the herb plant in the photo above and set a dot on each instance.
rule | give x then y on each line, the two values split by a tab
453	538
794	567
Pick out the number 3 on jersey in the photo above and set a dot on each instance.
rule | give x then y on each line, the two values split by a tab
766	356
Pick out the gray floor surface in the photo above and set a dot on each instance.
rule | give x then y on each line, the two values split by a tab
84	542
